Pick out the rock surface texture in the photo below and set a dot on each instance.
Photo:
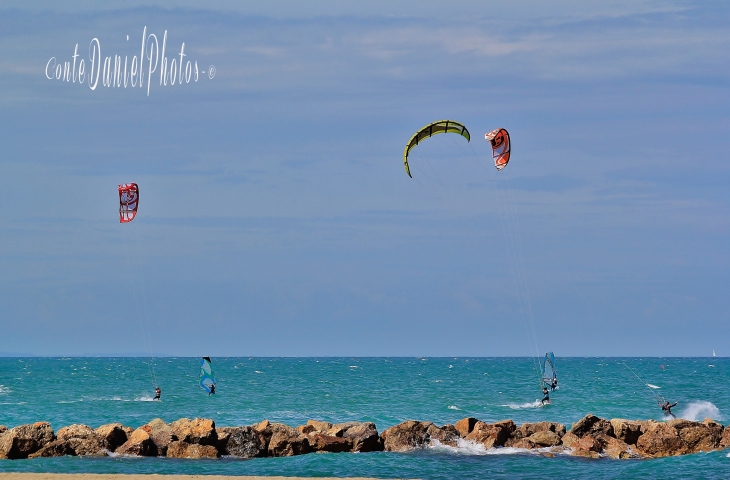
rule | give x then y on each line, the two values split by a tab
589	437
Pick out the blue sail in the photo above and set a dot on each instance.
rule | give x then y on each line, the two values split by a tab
548	371
207	376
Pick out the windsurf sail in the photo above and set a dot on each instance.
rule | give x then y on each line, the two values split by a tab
207	376
549	373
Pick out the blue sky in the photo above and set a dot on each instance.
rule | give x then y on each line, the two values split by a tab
275	214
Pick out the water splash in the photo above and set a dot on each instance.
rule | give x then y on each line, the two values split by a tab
699	410
453	407
467	447
520	406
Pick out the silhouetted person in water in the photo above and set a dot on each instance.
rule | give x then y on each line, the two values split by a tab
212	390
158	392
667	408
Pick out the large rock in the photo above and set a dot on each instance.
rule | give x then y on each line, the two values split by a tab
314	426
82	440
615	448
725	440
626	430
587	446
75	431
74	440
465	426
320	442
114	434
678	437
161	434
528	429
23	440
661	440
282	440
591	425
545	438
569	439
57	448
492	434
177	449
284	444
199	431
139	443
363	435
3	429
699	437
413	434
243	442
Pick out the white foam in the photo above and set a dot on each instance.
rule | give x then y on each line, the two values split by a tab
453	407
520	406
144	398
257	371
4	389
468	447
698	411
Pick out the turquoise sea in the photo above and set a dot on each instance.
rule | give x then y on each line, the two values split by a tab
386	391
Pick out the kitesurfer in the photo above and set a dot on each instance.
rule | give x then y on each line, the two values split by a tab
212	389
546	395
158	393
667	408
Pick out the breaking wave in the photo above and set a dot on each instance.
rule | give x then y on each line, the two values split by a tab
698	411
4	389
466	447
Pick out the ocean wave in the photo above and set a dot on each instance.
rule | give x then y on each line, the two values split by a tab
453	407
467	447
699	410
4	390
520	406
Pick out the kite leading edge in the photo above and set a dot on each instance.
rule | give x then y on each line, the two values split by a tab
442	126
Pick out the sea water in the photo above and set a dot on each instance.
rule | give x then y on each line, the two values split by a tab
95	391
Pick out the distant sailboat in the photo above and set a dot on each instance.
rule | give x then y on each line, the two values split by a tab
713	353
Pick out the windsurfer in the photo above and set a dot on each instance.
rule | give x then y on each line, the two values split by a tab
212	390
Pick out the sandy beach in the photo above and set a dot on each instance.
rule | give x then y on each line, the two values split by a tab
100	476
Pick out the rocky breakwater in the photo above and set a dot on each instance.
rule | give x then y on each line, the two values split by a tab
590	437
186	438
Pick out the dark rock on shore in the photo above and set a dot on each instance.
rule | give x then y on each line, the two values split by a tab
80	440
139	443
24	440
243	442
412	434
115	434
